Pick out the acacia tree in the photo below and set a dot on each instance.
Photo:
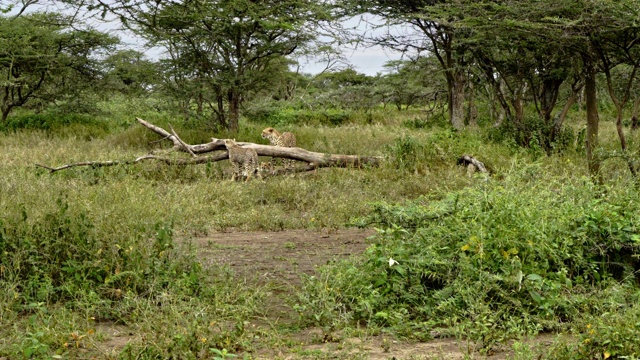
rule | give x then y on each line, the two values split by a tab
542	45
42	58
430	33
619	54
224	44
129	72
523	61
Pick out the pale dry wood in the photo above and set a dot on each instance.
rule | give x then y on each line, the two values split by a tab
295	153
85	163
168	161
182	143
313	160
472	164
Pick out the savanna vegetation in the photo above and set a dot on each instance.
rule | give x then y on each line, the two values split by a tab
544	93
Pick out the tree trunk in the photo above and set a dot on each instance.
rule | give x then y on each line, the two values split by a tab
634	117
5	114
456	100
234	110
518	109
200	104
559	118
472	110
591	102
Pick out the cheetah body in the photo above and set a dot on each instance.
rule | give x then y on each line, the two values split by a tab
244	160
285	139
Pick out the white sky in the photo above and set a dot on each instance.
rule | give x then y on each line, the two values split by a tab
369	61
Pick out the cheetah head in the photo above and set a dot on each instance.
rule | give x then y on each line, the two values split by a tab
268	132
229	142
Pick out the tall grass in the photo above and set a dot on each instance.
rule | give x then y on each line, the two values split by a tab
91	244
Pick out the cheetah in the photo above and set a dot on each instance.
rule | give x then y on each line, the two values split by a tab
245	157
266	167
286	139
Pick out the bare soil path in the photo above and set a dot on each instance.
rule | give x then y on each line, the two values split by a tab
280	257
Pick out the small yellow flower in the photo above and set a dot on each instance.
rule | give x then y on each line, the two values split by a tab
606	354
588	326
203	339
465	247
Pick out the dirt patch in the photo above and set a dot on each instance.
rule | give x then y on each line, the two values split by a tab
113	338
280	257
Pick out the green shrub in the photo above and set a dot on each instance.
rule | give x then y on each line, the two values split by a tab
494	260
48	121
439	120
277	114
611	335
533	133
59	257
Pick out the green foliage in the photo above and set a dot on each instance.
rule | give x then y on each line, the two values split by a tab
57	257
533	134
439	120
495	260
406	152
610	335
46	60
277	114
51	121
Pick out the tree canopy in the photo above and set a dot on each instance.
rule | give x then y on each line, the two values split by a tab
43	59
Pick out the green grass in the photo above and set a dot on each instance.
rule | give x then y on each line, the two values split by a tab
89	246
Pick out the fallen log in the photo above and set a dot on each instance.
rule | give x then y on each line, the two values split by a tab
295	153
313	160
472	164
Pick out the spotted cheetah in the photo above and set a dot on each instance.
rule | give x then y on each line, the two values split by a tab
242	157
266	167
286	139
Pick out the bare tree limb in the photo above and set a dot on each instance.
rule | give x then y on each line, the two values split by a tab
182	143
472	164
86	163
295	153
313	160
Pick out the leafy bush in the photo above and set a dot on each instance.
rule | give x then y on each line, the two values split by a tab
440	148
59	257
286	114
533	133
438	120
611	335
493	260
48	121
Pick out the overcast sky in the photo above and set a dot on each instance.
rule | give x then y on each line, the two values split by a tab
369	61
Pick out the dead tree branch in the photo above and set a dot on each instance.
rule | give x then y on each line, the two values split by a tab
472	164
318	159
313	160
